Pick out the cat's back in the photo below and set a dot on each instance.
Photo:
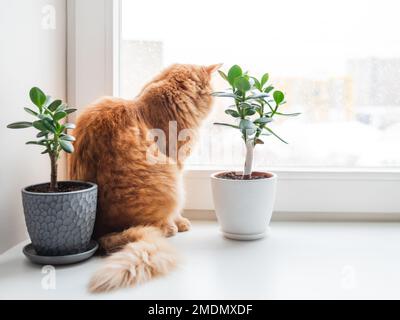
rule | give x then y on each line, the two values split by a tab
106	113
97	129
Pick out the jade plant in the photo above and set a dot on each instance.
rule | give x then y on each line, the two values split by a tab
256	103
52	135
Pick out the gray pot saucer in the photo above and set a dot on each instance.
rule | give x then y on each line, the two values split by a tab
31	254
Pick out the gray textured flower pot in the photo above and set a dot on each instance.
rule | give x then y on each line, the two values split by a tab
60	223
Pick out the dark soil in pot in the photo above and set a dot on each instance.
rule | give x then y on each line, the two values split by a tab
63	186
233	175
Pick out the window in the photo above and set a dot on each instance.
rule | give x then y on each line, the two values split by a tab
337	61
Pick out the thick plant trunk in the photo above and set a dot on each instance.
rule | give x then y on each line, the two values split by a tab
248	165
53	175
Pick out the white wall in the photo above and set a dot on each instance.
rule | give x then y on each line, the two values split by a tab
32	53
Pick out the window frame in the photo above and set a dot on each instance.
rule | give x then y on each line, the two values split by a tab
92	65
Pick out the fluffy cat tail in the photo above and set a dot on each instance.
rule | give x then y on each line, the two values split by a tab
147	256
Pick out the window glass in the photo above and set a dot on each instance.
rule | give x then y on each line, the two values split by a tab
338	63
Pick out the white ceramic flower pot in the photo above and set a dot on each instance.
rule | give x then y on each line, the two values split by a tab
244	207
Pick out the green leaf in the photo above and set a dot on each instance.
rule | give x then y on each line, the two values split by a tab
263	120
20	125
232	113
223	75
49	125
245	105
66	146
268	89
288	114
246	124
226	125
54	105
247	127
62	107
45	151
234	72
69	126
278	96
42	134
46	112
269	130
257	83
67	137
249	111
71	110
255	96
224	94
37	97
264	79
30	111
59	115
242	84
40	125
39	143
45	116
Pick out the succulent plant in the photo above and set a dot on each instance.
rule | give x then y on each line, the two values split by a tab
256	103
52	130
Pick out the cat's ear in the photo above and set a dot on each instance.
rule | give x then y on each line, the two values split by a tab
214	67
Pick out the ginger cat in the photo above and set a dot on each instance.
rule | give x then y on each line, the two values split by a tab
139	201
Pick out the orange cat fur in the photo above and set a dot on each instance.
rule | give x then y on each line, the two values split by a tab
139	201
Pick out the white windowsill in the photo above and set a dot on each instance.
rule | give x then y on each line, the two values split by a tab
299	260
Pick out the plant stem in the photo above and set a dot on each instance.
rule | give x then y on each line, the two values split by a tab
53	177
272	109
248	165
